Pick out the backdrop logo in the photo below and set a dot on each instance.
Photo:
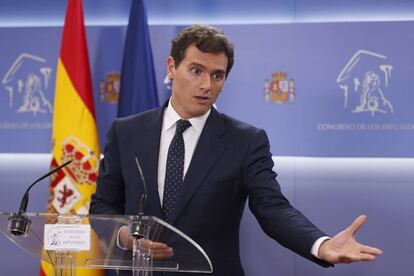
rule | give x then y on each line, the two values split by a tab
364	81
110	88
26	82
279	89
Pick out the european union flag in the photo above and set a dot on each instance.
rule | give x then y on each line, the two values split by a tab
138	86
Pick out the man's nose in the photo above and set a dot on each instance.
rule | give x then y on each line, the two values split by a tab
205	83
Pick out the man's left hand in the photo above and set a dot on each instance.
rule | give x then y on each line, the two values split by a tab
343	248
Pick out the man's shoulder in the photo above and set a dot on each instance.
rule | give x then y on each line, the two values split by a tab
241	134
142	117
238	126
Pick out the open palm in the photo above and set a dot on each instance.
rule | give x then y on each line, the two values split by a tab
343	247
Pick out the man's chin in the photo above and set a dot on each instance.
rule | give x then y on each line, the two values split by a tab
200	111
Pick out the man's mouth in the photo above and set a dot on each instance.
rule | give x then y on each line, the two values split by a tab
202	99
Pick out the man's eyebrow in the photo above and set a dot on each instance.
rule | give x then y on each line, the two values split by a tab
220	71
204	67
198	65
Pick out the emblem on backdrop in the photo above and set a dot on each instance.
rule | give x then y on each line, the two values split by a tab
110	88
279	89
27	83
364	81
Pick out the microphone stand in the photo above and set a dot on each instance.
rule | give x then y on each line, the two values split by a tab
139	230
19	224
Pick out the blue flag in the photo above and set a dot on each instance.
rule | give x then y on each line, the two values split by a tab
138	86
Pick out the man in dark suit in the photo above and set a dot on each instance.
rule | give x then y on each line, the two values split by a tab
224	162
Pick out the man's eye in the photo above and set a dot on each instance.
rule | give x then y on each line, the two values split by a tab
218	76
195	71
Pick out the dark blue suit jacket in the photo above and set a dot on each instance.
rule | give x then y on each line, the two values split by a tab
231	163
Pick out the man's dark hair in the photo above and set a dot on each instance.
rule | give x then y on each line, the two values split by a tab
207	39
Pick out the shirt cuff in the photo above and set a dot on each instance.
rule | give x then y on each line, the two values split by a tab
317	244
118	241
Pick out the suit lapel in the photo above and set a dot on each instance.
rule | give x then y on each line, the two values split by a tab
147	154
209	148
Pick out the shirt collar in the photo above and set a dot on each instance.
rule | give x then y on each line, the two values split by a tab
171	117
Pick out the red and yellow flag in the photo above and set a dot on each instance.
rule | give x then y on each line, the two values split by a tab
74	134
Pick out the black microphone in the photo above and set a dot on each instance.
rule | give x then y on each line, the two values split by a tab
19	224
138	228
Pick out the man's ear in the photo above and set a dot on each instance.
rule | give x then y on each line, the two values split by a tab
170	67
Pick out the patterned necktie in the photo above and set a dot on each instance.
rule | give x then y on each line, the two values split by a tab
175	169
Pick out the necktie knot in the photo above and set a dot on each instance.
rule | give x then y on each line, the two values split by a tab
182	125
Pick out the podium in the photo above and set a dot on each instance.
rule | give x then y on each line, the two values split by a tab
62	241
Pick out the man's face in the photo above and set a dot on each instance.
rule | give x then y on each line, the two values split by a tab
197	81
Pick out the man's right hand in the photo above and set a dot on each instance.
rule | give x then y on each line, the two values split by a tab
159	250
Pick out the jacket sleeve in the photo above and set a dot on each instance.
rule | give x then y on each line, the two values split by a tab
277	217
109	197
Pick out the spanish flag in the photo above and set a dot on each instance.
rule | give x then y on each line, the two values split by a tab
74	134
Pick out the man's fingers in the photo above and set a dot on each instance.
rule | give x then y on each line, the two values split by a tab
158	246
152	245
356	225
371	250
162	255
362	257
350	258
159	250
